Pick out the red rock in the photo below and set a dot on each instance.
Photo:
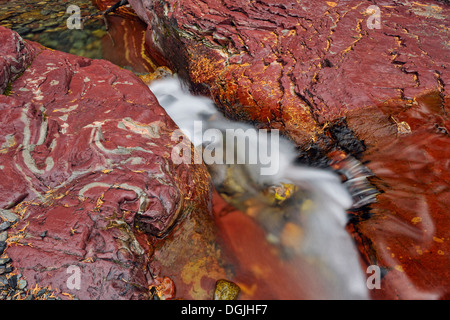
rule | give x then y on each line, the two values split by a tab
296	67
259	271
407	230
300	67
85	162
124	43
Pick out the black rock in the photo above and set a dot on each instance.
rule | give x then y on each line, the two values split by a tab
2	247
12	281
22	30
5	270
4	261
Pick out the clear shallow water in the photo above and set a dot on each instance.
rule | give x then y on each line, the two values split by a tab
45	22
313	200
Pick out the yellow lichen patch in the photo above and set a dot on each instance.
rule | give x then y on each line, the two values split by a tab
358	38
331	4
202	68
100	201
285	191
439	240
73	231
399	268
226	290
416	220
440	252
71	297
17	237
50	197
159	73
10	142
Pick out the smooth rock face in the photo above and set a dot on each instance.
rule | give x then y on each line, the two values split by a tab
296	66
86	165
406	231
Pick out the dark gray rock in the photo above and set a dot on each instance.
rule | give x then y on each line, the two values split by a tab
5	270
9	216
12	281
3	282
22	284
4	225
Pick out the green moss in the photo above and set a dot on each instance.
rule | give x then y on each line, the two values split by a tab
8	89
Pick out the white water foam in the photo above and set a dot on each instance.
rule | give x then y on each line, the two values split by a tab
325	236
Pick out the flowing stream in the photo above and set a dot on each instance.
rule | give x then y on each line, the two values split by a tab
313	200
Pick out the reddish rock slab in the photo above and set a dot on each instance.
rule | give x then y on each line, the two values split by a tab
296	66
299	66
406	232
124	44
86	164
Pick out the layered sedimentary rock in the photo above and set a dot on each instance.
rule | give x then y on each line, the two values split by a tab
86	165
299	65
367	78
124	43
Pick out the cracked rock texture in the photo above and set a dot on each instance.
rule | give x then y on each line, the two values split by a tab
85	163
320	73
296	65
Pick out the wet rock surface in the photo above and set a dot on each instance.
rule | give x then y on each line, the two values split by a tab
318	72
120	40
315	71
88	186
295	66
406	231
46	22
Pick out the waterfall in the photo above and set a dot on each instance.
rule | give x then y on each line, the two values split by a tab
262	167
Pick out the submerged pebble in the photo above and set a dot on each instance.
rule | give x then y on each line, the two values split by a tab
226	290
22	284
4	225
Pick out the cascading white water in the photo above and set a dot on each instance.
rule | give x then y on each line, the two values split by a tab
325	238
